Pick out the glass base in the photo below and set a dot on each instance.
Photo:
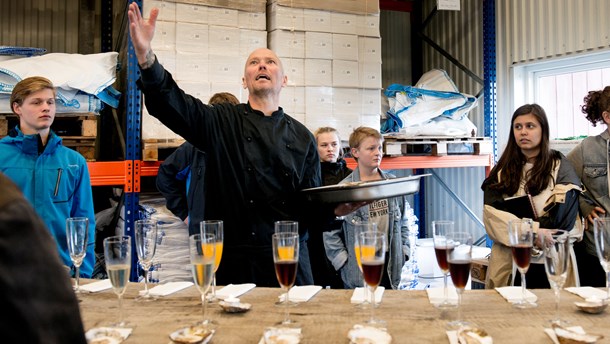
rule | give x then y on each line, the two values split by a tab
282	303
376	322
524	305
446	305
212	298
457	324
145	297
288	324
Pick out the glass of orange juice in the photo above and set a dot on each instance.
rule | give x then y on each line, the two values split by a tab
214	227
362	228
292	227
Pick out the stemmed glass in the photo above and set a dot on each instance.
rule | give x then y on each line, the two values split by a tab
556	248
117	253
77	230
202	249
286	226
214	227
146	245
440	229
286	260
601	230
361	228
521	235
459	258
372	256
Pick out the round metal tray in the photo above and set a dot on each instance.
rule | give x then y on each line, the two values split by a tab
365	190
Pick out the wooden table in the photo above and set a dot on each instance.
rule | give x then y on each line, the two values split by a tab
328	316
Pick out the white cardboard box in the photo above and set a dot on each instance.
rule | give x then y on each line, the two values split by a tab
225	69
191	13
191	37
294	69
345	73
165	36
167	9
287	43
235	88
318	72
224	41
249	40
167	58
222	16
317	20
191	66
284	18
252	20
292	99
344	23
369	49
318	45
368	26
197	89
319	101
345	47
369	75
371	101
347	100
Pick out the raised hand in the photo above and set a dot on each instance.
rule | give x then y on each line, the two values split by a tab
142	32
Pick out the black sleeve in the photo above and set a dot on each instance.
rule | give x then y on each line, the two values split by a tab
562	215
171	185
37	297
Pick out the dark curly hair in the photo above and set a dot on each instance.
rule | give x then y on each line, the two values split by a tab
596	102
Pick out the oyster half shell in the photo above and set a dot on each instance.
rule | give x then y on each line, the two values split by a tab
191	335
235	307
567	336
473	335
368	335
106	335
275	335
592	307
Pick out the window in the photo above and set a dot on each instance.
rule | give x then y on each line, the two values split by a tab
560	86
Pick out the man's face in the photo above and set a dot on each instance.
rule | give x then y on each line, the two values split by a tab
264	74
37	112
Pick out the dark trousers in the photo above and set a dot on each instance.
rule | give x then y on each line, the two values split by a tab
590	271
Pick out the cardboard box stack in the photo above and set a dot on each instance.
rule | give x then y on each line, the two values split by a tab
331	52
204	45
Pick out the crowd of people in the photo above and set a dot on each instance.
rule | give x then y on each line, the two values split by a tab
245	164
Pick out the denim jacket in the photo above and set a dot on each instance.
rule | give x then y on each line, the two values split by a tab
339	244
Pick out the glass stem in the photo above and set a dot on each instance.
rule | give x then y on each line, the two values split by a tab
445	291
203	308
557	291
214	287
145	282
608	284
459	304
120	310
372	301
286	301
365	297
523	288
77	275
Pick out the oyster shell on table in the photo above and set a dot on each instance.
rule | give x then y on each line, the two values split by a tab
235	307
360	334
107	335
473	335
191	335
592	307
568	336
276	335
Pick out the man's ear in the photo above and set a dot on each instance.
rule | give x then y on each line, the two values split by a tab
16	108
243	82
606	117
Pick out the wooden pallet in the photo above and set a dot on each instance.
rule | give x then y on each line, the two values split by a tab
82	144
151	147
63	125
435	146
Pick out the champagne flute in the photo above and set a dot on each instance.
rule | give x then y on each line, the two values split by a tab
146	245
286	226
77	230
286	260
214	227
556	248
362	228
521	235
440	229
372	256
117	253
202	249
459	258
601	231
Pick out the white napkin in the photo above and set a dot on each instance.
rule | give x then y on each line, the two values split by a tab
437	295
514	294
301	293
234	290
588	292
97	286
168	288
549	332
101	334
358	295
